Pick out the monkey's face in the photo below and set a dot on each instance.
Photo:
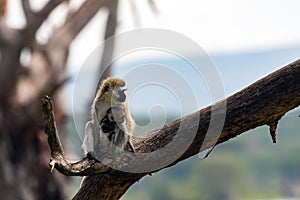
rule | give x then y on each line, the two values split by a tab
113	89
118	93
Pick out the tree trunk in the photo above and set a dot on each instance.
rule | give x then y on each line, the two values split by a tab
24	171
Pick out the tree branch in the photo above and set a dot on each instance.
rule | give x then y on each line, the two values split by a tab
108	49
83	167
27	9
36	19
58	45
50	128
261	103
77	21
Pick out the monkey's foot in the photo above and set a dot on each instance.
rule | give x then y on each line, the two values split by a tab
91	155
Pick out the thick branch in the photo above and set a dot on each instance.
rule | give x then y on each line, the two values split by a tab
262	103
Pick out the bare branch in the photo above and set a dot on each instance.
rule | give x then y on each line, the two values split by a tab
277	94
48	8
259	104
83	167
36	19
110	31
27	9
58	45
50	127
77	21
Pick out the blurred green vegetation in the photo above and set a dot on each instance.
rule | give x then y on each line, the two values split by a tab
247	167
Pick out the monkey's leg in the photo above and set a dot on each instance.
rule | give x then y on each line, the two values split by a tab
120	139
112	139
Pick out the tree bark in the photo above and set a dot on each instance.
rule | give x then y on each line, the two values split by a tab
262	103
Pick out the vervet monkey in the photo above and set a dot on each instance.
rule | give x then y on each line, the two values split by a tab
110	118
